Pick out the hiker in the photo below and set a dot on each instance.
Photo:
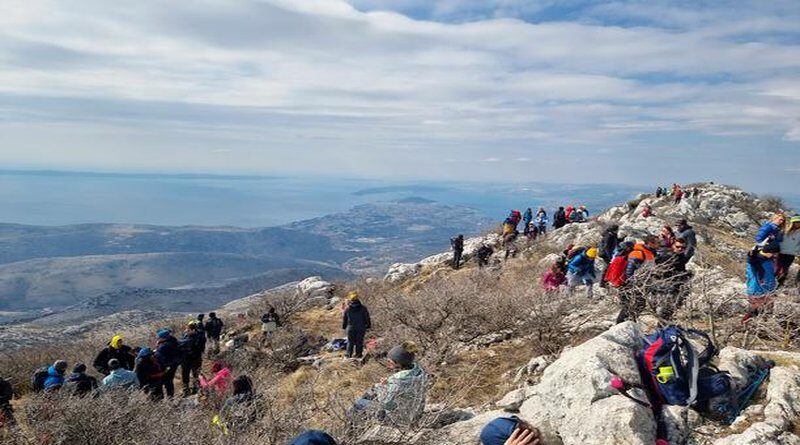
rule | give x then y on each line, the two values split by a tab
169	356
541	221
194	342
581	270
356	323
78	383
642	253
584	212
213	328
150	374
313	437
6	410
55	376
761	282
686	233
631	301
457	244
771	231
269	322
509	431
531	231
511	222
647	211
399	399
120	377
559	218
553	278
527	218
221	380
659	191
115	349
510	244
667	237
238	409
201	327
790	248
672	277
608	244
483	254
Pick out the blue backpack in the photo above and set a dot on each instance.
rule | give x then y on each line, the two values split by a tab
677	374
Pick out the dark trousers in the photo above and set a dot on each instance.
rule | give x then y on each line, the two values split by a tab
355	342
784	263
631	305
154	389
457	259
191	366
169	380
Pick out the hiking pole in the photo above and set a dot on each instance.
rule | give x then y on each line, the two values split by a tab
745	396
622	387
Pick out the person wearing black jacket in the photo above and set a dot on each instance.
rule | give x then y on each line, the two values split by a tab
213	328
458	250
672	277
169	356
194	342
115	349
355	322
608	244
686	233
6	410
150	374
559	218
78	383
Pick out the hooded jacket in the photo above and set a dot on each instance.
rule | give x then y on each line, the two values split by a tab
213	327
356	317
121	378
581	265
123	353
641	254
54	379
148	371
769	231
168	353
402	397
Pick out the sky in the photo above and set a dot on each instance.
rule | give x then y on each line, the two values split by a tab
633	92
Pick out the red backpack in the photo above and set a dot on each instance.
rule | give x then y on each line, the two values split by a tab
615	274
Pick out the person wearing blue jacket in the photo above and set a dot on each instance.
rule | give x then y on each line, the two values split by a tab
55	376
771	231
761	281
169	356
581	270
527	217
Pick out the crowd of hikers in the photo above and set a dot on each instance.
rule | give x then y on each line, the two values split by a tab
655	265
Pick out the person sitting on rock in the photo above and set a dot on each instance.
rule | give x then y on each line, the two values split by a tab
55	376
221	379
509	431
119	377
356	322
313	437
553	278
115	349
78	383
399	399
560	218
761	281
581	270
239	409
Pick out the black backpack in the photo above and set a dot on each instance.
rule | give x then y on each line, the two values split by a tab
38	379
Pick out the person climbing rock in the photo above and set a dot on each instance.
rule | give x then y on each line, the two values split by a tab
115	349
400	399
169	356
194	343
150	374
213	328
560	218
355	322
581	270
457	244
119	376
79	383
509	431
686	233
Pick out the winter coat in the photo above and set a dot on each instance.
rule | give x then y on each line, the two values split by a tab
760	275
54	379
608	244
148	372
197	345
527	217
79	383
791	243
168	353
672	266
121	378
552	280
219	382
457	243
6	392
559	219
124	354
541	219
769	232
402	397
356	317
640	255
213	328
687	234
581	265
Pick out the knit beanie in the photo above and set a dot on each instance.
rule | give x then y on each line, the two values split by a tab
403	354
313	437
144	352
498	430
163	332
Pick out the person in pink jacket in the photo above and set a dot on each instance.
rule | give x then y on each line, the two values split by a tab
553	278
221	380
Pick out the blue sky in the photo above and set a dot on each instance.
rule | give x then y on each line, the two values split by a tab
556	91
